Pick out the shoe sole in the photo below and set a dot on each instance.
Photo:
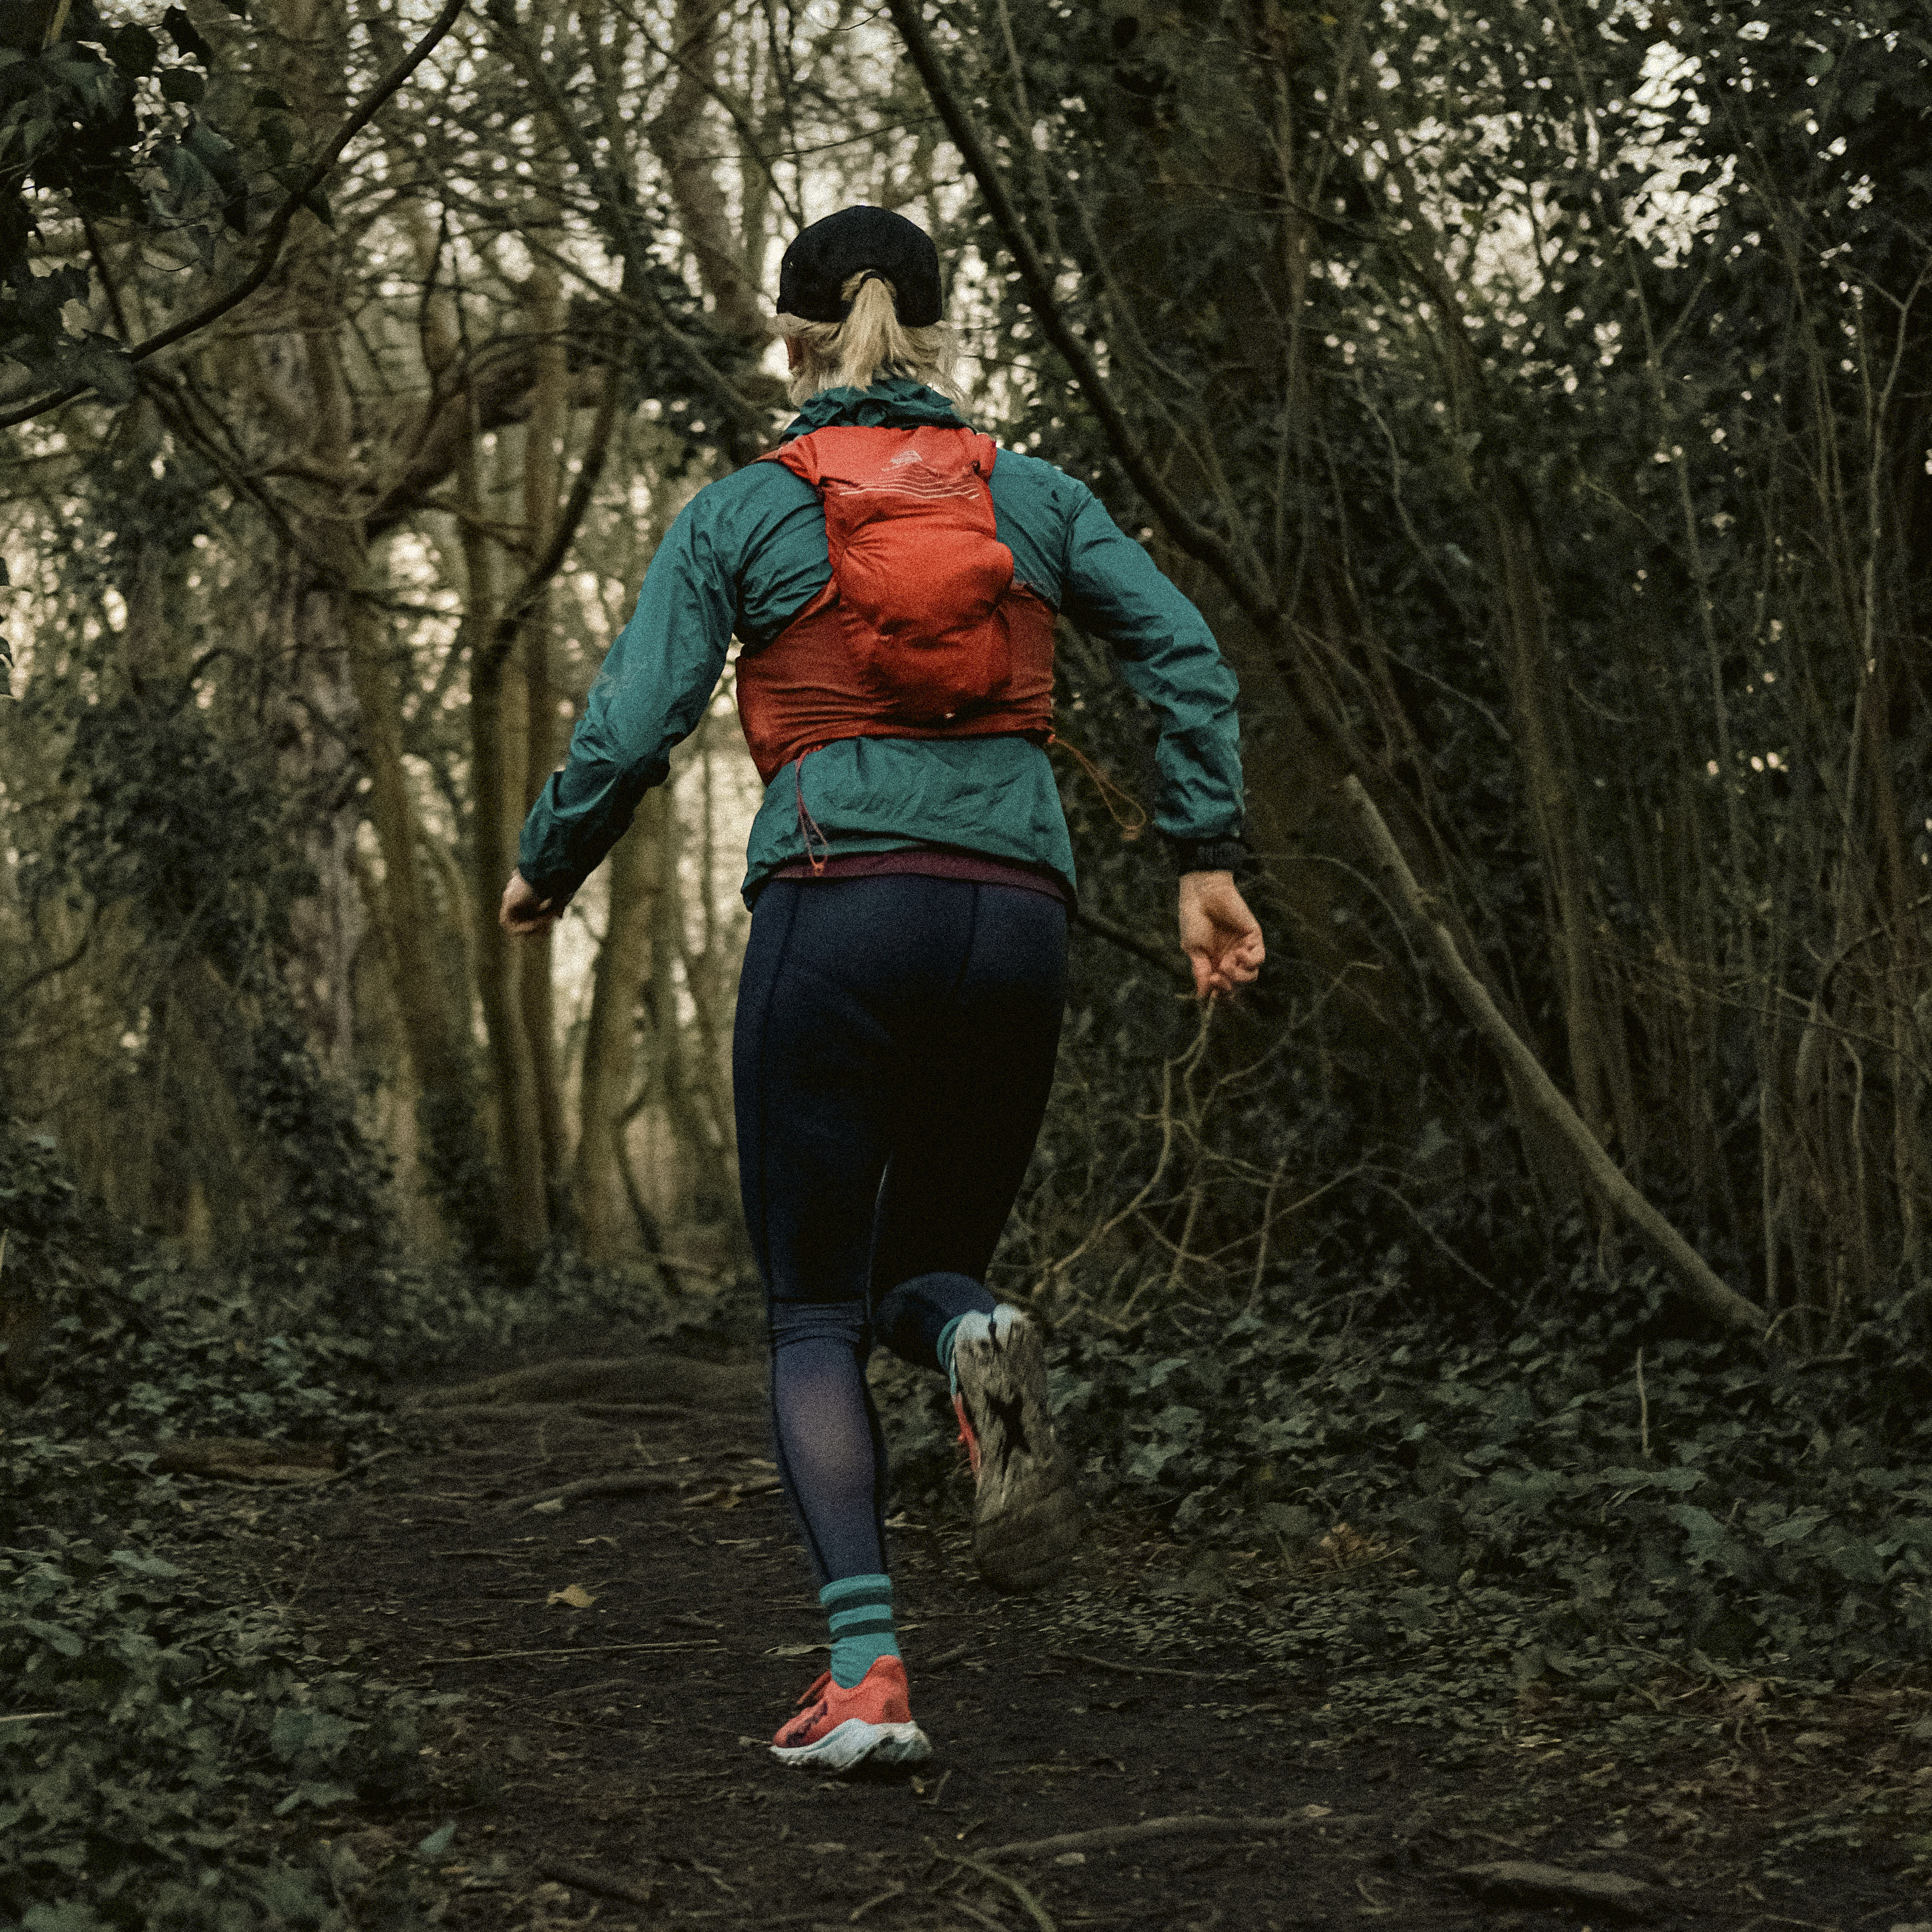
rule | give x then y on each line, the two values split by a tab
855	1742
1026	1520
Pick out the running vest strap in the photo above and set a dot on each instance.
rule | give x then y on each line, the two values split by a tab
922	631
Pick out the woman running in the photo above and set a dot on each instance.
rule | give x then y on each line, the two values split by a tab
894	578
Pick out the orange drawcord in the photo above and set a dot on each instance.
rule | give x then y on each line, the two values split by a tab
809	827
1108	789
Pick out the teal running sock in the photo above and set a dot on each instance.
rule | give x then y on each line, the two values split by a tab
947	1336
998	1323
859	1610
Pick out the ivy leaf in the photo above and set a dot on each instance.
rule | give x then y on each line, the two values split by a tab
187	36
180	84
1708	1541
187	180
65	1641
438	1842
135	1564
132	49
1677	1480
69	1916
101	361
313	1792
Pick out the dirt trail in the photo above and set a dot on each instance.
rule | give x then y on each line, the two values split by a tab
623	1660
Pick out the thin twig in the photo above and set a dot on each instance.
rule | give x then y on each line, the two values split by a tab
581	1878
568	1650
1130	1669
1035	1909
761	1485
973	1912
1642	1409
356	1467
633	1485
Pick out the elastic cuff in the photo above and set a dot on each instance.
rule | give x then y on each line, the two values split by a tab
1209	855
557	892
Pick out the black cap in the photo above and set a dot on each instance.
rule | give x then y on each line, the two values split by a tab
825	256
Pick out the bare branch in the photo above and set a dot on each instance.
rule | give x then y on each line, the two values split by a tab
278	231
1196	539
1540	1094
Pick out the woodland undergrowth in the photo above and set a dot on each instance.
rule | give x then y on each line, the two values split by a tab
160	1747
1591	1511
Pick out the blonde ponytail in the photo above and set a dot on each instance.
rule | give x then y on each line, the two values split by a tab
871	343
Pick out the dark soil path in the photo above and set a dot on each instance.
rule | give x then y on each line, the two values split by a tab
623	1658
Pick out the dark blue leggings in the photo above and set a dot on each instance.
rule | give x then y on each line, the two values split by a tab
894	1047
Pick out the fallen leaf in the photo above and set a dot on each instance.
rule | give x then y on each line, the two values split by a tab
1317	1810
576	1596
1344	1547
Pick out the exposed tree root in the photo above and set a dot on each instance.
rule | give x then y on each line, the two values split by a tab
1196	1825
645	1380
551	1411
240	1459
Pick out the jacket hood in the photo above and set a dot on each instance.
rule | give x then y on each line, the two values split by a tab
896	403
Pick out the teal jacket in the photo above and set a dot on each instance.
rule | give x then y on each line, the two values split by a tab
748	553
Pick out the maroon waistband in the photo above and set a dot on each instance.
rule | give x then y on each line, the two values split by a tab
930	864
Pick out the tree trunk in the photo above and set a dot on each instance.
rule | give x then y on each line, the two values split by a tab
606	1227
543	493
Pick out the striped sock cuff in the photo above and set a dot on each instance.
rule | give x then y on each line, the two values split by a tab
858	1610
848	1592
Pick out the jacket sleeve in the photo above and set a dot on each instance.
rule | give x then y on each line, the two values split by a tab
1168	656
648	696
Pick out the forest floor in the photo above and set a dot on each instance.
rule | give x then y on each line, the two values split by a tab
622	1659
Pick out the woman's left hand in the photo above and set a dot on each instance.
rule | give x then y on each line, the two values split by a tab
1221	938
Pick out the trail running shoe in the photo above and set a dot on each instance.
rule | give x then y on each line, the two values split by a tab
1025	1520
835	1729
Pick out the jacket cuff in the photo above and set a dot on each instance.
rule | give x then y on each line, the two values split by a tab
1209	855
556	891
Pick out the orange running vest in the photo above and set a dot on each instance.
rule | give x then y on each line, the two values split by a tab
922	631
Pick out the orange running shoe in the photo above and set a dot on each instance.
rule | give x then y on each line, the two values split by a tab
835	1729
